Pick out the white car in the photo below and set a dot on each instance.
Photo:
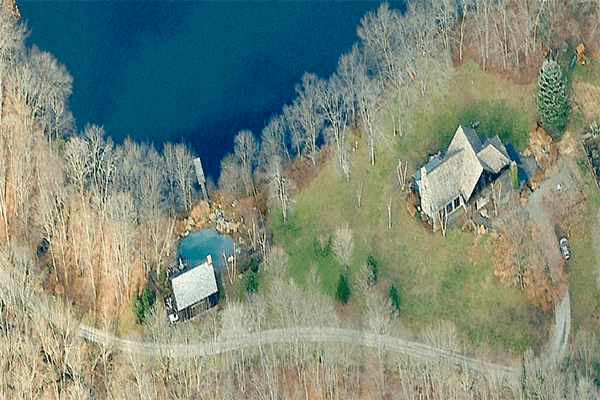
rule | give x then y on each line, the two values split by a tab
565	249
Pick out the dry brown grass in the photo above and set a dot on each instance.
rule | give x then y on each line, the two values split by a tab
302	170
587	96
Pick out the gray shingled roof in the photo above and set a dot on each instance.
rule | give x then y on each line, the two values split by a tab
441	185
470	135
470	169
194	285
493	158
460	170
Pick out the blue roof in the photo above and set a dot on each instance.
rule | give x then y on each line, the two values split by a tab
433	162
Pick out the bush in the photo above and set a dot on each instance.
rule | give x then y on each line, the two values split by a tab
582	164
322	246
143	304
372	263
343	289
163	279
395	297
252	266
252	281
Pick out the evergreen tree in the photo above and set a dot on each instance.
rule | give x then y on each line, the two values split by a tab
343	289
143	304
395	297
553	103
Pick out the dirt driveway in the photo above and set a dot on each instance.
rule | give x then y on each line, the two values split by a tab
559	179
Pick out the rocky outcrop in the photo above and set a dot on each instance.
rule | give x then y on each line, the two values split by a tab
204	215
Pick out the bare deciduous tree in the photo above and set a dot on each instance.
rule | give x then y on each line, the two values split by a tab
229	178
277	262
442	335
78	165
305	112
297	139
359	192
446	13
101	160
122	223
343	245
245	152
280	187
49	98
333	102
273	142
382	35
179	170
347	73
368	90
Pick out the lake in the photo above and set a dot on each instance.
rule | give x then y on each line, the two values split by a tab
191	71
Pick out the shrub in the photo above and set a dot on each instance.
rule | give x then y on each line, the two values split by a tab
252	281
252	266
582	164
343	289
163	279
373	266
395	297
322	246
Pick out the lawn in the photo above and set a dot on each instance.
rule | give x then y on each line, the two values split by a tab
439	278
583	267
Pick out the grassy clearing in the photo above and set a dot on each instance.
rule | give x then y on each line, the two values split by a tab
502	109
439	278
585	95
583	268
127	324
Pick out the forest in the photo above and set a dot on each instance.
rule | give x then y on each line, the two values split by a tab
84	221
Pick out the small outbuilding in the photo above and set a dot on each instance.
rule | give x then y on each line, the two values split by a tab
194	290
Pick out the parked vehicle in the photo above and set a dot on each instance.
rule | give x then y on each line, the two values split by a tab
565	249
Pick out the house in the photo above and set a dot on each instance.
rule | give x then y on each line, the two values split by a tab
194	289
450	179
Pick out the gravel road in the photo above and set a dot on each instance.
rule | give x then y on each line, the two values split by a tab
301	334
562	327
562	311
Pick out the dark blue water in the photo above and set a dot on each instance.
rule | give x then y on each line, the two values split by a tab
188	71
197	245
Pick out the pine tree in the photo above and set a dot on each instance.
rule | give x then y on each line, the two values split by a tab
395	297
553	103
343	289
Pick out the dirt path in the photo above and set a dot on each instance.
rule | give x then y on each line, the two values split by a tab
562	311
562	327
304	335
